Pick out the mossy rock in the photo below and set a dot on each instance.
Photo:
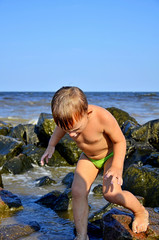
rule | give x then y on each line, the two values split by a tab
127	128
149	132
121	116
45	127
35	153
143	181
5	128
68	150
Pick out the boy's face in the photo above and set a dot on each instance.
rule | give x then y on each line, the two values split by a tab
78	127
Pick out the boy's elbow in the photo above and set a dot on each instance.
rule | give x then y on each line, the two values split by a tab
124	141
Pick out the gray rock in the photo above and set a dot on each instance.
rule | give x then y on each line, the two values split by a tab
17	165
25	133
9	147
57	201
48	200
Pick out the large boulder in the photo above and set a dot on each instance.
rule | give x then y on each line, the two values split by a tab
143	181
25	133
121	116
45	127
9	147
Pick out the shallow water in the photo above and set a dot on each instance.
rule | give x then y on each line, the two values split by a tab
53	226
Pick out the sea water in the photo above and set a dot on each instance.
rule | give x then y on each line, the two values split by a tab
25	107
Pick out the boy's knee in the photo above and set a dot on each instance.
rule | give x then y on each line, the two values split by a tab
110	196
78	192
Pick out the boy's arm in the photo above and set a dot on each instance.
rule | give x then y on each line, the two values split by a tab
55	138
112	129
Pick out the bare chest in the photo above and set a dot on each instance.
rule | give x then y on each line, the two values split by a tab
92	142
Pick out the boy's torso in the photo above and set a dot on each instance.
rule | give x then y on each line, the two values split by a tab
93	141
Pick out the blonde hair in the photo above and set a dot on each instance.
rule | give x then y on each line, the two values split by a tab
68	105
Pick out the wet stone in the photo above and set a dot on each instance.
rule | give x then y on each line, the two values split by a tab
16	231
9	200
68	179
117	225
43	181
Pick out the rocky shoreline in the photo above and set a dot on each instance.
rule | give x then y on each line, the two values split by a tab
23	145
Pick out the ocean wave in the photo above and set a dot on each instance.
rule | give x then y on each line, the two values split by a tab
150	94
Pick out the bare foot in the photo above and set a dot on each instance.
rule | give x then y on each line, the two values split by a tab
141	221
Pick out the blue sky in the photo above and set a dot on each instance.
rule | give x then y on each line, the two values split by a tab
95	45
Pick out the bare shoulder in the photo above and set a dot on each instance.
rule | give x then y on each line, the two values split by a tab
102	114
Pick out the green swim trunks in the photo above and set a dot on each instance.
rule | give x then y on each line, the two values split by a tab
100	163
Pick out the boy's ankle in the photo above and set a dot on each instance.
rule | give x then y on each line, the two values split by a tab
141	210
81	237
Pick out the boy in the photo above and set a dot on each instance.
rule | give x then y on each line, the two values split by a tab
99	136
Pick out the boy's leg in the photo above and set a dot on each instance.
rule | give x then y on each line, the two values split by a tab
114	194
85	175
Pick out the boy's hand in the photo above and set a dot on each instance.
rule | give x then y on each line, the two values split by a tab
47	154
115	173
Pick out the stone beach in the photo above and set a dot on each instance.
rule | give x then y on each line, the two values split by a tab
22	146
